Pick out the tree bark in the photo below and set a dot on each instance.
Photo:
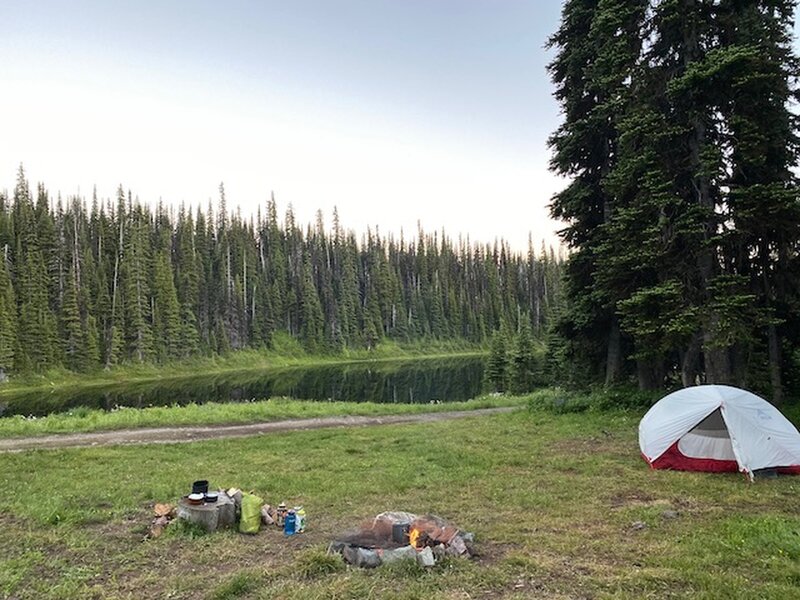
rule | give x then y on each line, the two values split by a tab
690	362
650	373
774	349
717	359
614	355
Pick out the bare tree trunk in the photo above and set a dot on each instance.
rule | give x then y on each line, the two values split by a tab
110	332
690	362
614	355
773	340
774	350
650	373
717	359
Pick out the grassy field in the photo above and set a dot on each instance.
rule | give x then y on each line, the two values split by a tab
552	499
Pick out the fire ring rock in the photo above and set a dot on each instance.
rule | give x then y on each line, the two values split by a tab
430	538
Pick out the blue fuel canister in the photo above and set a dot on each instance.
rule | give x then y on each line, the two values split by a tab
289	523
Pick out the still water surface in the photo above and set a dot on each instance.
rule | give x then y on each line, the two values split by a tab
418	381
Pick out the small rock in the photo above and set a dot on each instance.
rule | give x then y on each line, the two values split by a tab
404	553
439	552
425	558
336	547
638	525
458	546
670	514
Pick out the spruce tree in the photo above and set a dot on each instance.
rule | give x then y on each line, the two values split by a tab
497	364
311	317
36	330
598	46
8	316
522	367
135	284
166	311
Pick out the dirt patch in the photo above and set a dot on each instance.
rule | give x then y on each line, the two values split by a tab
636	498
589	446
175	435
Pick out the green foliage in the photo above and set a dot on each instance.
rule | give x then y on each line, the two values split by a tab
8	315
123	283
523	367
497	364
562	401
682	210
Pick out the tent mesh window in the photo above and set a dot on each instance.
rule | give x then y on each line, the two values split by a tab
708	439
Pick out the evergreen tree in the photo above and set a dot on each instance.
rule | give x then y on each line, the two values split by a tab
8	316
135	284
497	364
311	322
71	326
167	329
598	46
687	232
522	367
36	331
116	282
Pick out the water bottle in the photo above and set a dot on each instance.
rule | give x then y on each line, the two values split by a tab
300	519
289	523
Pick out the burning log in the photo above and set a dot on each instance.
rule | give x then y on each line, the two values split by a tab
394	536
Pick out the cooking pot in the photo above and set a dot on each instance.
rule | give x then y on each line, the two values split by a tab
400	532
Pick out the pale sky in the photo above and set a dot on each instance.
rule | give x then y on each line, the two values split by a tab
392	110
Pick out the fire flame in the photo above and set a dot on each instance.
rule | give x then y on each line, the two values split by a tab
413	536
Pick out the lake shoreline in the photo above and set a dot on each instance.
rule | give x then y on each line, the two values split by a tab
215	414
400	380
189	434
287	356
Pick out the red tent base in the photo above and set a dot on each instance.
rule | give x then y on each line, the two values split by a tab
676	460
793	470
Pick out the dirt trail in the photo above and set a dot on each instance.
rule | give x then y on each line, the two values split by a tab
173	435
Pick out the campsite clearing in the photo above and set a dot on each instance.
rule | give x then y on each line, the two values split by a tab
562	507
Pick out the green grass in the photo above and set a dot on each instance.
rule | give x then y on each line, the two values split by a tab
286	352
82	420
551	498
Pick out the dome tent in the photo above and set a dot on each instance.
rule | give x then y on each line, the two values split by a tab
718	428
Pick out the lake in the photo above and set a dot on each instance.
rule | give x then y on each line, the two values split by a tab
409	381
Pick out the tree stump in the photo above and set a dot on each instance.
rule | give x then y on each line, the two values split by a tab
209	515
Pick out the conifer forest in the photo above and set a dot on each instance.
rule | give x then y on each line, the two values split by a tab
91	284
679	134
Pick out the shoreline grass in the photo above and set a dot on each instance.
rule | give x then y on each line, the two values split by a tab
84	420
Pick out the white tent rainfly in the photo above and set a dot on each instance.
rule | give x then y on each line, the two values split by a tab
718	428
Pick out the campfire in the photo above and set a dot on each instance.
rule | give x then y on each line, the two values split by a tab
394	536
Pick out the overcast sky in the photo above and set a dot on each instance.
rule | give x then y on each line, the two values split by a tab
393	110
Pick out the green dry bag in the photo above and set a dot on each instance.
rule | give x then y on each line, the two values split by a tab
251	513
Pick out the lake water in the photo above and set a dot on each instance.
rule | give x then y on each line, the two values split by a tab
417	381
